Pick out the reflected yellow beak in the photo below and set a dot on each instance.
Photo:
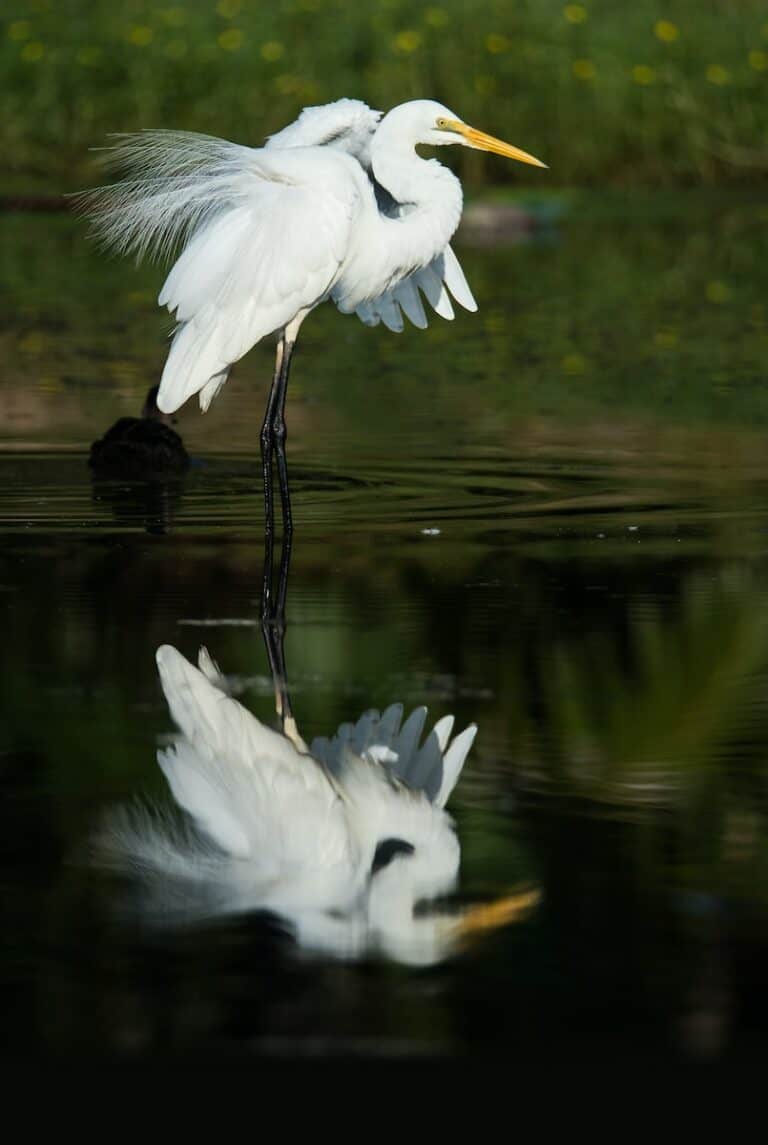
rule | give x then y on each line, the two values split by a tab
491	916
482	142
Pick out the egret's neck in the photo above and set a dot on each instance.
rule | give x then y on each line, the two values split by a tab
429	193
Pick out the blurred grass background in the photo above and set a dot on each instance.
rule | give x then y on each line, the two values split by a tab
648	93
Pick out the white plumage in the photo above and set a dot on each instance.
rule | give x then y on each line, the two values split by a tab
336	206
341	841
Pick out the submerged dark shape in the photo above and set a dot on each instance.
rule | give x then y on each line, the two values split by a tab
140	448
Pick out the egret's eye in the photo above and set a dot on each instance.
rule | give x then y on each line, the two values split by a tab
386	851
442	123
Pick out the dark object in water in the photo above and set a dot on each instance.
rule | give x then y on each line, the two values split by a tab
140	448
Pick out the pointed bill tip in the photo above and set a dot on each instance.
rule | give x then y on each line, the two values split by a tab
480	141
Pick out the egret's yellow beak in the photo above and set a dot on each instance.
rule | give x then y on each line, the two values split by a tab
482	142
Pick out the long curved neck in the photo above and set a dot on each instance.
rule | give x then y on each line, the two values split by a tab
429	194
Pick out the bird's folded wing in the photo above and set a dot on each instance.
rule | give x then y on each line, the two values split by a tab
262	235
256	264
439	280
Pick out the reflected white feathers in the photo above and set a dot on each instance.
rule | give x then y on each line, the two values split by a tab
342	842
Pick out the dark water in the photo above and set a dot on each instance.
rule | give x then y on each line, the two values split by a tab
550	518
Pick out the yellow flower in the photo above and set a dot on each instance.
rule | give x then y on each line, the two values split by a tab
228	8
575	13
717	291
494	43
717	74
643	75
758	60
574	364
32	52
272	50
436	17
140	35
666	31
584	69
407	41
231	40
19	30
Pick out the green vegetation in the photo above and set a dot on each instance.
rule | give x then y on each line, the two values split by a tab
648	93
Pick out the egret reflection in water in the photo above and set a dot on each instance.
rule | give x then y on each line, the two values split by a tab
347	840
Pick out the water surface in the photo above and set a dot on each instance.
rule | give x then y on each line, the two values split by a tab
549	518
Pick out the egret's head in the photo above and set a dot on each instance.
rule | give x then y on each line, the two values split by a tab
431	123
419	866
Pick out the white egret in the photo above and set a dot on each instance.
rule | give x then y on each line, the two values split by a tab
336	206
342	839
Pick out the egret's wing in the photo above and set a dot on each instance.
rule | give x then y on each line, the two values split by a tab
432	767
244	785
252	268
453	276
263	234
347	125
437	281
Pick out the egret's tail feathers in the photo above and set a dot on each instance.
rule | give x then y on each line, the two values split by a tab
146	841
177	180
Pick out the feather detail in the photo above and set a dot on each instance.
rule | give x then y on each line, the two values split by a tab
178	180
408	297
454	279
430	282
346	124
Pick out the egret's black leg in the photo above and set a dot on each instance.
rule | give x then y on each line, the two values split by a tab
279	434
273	432
273	631
267	446
266	580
